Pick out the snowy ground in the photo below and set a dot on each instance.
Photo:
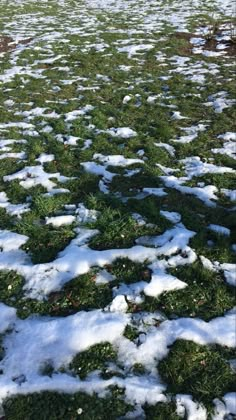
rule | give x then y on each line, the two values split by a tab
117	202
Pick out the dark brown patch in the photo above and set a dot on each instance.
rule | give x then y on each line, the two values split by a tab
183	35
211	45
186	48
8	44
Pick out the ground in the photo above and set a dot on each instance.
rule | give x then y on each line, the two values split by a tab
117	202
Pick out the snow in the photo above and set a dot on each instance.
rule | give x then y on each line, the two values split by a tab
159	192
194	411
31	176
162	282
229	193
205	194
60	220
192	133
230	402
229	273
80	115
135	49
97	169
41	341
170	149
104	277
172	216
123	132
219	229
116	160
10	241
73	115
7	317
228	146
119	304
171	241
43	158
13	209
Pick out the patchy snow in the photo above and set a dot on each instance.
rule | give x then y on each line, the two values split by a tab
135	49
123	132
10	241
7	317
60	220
193	410
162	282
31	176
13	209
205	194
104	277
159	192
231	194
172	216
73	115
229	273
118	304
116	160
170	149
219	229
94	116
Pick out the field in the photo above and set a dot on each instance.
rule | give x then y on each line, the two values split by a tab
117	210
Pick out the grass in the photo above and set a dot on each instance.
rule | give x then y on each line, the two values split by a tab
81	293
59	406
161	411
97	357
202	371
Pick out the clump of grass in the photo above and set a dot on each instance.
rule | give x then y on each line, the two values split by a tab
60	406
131	333
161	411
96	357
81	293
198	370
206	296
127	271
45	242
117	230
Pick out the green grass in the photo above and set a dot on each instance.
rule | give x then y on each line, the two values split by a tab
81	293
97	357
161	411
201	371
55	406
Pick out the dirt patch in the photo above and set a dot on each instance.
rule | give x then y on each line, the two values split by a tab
8	44
211	45
186	47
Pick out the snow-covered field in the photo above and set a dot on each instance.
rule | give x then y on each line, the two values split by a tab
117	207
